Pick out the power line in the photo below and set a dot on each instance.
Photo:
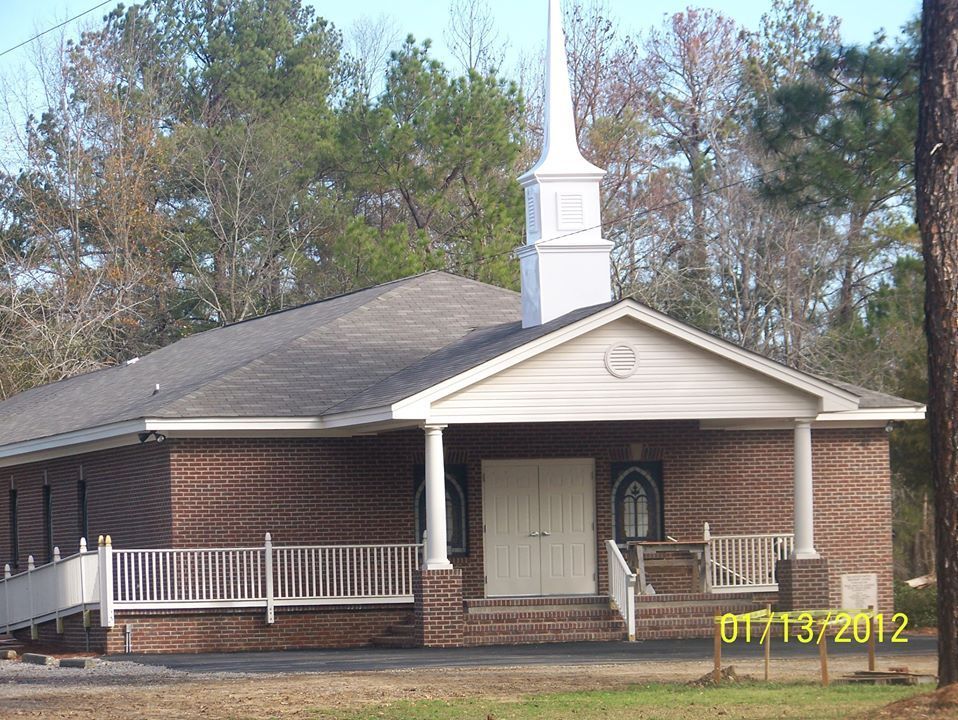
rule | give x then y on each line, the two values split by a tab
631	215
55	27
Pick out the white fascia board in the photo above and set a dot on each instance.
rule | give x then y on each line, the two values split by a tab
228	424
876	414
100	437
266	425
112	435
830	397
868	418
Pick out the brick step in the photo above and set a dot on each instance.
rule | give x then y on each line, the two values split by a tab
674	622
546	637
557	627
556	601
704	610
693	597
394	642
680	633
403	630
538	608
547	615
400	635
8	642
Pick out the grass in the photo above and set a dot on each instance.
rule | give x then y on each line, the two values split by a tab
749	701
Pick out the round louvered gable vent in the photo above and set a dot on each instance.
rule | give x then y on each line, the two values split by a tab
621	360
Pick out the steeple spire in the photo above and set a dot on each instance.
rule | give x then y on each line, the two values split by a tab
560	149
565	262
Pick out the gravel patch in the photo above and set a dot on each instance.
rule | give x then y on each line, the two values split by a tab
105	672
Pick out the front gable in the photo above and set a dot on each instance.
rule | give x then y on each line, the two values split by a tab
591	377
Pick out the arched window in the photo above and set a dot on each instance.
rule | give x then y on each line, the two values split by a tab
456	532
637	501
635	511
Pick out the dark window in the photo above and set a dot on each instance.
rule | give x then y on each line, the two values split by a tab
637	501
456	533
14	532
48	521
83	519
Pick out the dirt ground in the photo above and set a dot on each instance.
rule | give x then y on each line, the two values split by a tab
187	697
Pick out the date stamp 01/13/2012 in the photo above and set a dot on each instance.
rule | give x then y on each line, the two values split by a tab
812	626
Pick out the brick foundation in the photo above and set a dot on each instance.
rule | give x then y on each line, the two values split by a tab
803	584
75	637
439	615
223	631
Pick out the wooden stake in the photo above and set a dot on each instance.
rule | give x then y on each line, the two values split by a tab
768	639
717	635
823	655
871	640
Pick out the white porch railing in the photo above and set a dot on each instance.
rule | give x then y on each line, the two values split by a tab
49	592
170	579
621	586
737	563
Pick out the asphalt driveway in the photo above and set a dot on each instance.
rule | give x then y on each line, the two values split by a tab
366	659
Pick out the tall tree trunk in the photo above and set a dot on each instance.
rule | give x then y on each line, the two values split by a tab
936	160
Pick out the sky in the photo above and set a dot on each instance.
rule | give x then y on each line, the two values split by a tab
520	22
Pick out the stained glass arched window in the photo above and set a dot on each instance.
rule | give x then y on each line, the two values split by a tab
635	511
637	501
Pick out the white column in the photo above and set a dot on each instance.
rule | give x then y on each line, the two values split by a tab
436	558
804	500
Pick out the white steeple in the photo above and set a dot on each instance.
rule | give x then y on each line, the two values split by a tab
565	262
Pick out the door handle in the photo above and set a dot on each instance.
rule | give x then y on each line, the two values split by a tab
534	533
546	533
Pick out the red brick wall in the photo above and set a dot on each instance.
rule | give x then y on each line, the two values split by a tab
438	610
228	492
127	497
803	584
226	631
348	490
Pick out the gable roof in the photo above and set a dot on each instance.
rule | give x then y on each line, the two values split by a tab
490	345
363	351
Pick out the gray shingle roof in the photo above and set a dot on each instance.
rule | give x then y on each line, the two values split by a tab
869	399
294	363
362	350
474	349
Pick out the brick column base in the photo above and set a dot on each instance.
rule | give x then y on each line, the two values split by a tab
438	609
802	584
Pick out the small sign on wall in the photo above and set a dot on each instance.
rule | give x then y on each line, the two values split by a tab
860	591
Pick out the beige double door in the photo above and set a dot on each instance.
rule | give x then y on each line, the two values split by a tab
539	527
